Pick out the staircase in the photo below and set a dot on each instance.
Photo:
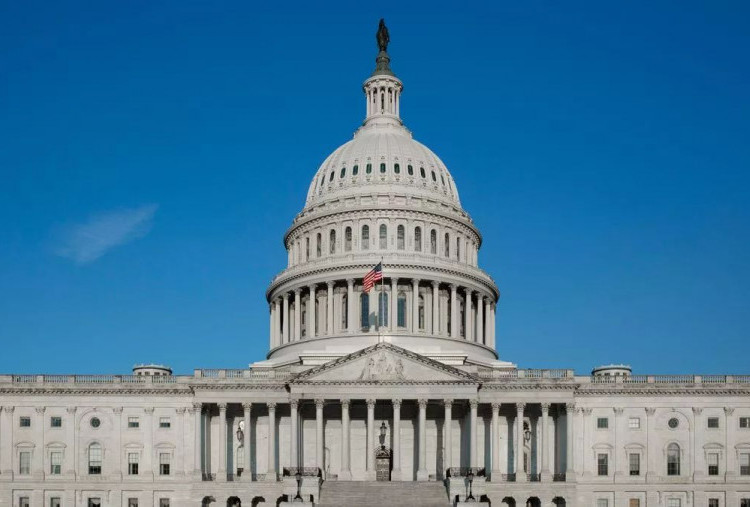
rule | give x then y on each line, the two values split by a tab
377	494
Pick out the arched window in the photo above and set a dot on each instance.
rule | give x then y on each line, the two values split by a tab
400	237
396	168
344	312
307	249
364	314
442	179
319	245
433	176
343	172
383	237
332	242
401	309
447	245
355	170
95	459
417	239
673	459
331	177
382	167
458	249
382	309
421	312
410	170
365	237
348	239
421	171
368	168
433	241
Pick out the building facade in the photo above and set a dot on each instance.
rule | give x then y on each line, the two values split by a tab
397	382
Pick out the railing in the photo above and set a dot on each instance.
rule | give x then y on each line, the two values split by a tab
674	379
558	477
209	477
508	477
636	379
464	471
535	477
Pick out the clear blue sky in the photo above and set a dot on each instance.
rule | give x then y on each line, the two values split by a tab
153	153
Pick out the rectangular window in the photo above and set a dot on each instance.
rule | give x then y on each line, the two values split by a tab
24	422
745	463
602	464
164	461
24	463
55	462
635	463
163	502
602	423
713	422
673	502
634	423
602	502
744	422
132	502
133	422
133	463
713	502
55	501
23	501
165	422
95	502
713	463
634	502
745	502
95	459
55	422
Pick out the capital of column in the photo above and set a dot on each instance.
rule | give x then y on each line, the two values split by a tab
415	281
70	410
319	403
247	406
697	410
570	407
117	410
396	402
297	291
453	287
330	285
312	288
271	405
729	410
222	407
394	280
520	407
149	410
370	403
197	407
178	410
545	408
587	410
448	402
40	410
618	411
422	403
285	296
495	406
350	282
650	411
345	402
435	284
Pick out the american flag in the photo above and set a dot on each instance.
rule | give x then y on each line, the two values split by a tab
373	276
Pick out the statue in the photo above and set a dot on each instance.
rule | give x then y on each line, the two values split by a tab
382	36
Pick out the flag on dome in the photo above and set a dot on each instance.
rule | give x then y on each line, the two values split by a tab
373	276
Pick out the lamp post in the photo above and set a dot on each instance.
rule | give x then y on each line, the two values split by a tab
298	477
470	477
383	430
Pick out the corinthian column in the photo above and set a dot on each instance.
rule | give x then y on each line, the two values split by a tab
435	308
370	437
351	314
480	319
570	473
319	444
346	468
297	314
414	305
448	420
473	405
285	317
197	443
544	446
271	475
221	473
467	314
454	312
246	471
520	474
396	431
495	442
329	316
422	470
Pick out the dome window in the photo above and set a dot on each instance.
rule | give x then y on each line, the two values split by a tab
348	239
333	173
318	245
442	179
343	172
433	241
396	168
355	170
368	168
365	237
410	170
417	239
382	167
383	237
433	176
332	242
400	237
447	244
364	313
421	171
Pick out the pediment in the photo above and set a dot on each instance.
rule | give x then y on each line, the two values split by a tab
384	363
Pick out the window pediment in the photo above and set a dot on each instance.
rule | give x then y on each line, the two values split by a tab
713	446
55	445
25	445
634	446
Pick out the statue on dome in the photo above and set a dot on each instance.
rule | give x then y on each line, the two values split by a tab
382	36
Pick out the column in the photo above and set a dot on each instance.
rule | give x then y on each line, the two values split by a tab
197	442
393	318
454	312
569	449
473	405
492	325
319	444
37	470
467	314
369	449
352	308
247	473
732	467
617	469
148	442
422	462
271	474
435	308
311	312
179	458
396	432
297	314
4	445
495	442
70	441
221	473
520	474
543	446
329	316
480	319
448	431
346	468
415	305
276	322
271	320
650	472
285	319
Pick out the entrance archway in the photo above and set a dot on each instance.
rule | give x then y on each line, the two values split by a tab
207	500
509	501
234	501
533	502
559	501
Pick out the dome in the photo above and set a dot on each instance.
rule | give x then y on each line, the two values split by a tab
382	158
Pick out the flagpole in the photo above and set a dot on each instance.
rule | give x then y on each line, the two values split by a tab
381	311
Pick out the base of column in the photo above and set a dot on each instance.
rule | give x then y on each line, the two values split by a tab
522	477
546	476
496	476
271	476
422	475
221	476
396	475
570	476
345	475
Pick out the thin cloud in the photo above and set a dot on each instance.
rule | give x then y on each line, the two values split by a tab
86	242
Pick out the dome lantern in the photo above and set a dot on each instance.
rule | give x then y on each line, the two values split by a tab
383	88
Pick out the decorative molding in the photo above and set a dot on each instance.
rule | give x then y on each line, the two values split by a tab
271	405
180	410
40	410
148	410
117	410
618	411
423	403
697	410
319	403
650	411
729	410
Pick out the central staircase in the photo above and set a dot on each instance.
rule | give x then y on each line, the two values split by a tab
377	494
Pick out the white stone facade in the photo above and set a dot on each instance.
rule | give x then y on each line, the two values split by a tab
413	362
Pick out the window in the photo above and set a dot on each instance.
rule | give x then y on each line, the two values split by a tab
383	236
458	249
24	462
602	423
400	237
673	459
364	304
401	310
332	242
410	170
673	423
368	168
132	502
634	460
165	422
382	309
23	501
165	460
442	180
634	502
420	312
713	463
355	170
433	241
133	422
365	237
331	177
712	422
634	423
95	459
55	422
673	502
348	239
95	502
745	463
396	168
421	172
344	311
382	167
744	422
713	502
55	501
602	502
417	239
307	249
95	422
447	243
602	464
133	463
745	502
163	502
55	462
433	176
24	422
318	245
343	172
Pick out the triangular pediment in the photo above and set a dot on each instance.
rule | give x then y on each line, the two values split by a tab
384	363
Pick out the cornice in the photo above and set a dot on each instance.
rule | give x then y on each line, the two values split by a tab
94	390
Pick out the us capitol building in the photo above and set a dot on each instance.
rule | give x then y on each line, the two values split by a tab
392	396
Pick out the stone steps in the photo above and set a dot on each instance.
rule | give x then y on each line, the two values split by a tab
375	494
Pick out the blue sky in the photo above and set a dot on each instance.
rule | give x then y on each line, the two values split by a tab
153	153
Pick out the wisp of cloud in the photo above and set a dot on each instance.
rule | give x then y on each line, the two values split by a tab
86	242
